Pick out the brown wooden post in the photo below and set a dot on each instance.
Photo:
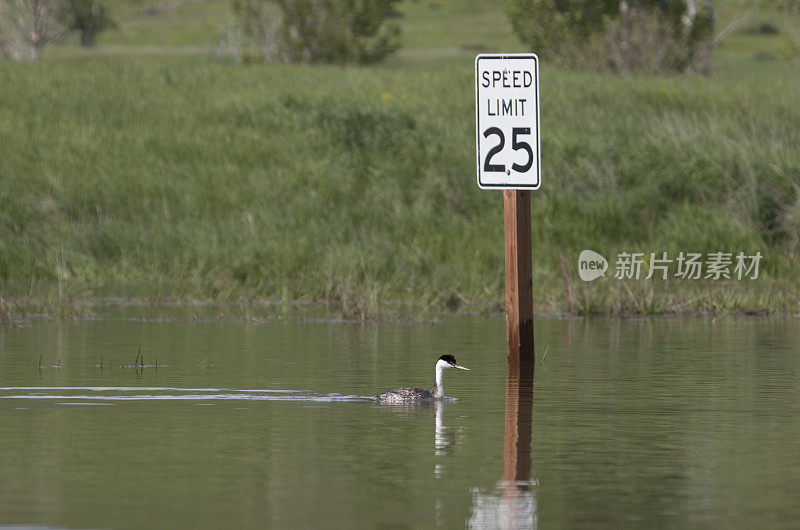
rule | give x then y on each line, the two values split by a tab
519	275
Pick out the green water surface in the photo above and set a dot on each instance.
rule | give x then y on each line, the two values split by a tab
663	422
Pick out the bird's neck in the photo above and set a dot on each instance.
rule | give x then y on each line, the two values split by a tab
438	387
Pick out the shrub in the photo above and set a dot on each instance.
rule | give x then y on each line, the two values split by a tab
27	25
318	31
88	17
607	35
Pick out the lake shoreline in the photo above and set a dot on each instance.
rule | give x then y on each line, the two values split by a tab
19	309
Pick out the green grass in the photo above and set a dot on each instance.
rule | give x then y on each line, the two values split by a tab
157	172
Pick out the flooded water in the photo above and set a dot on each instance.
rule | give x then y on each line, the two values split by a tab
157	422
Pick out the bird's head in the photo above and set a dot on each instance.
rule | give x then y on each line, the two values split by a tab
448	361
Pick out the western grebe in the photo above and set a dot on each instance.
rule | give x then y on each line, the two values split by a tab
413	394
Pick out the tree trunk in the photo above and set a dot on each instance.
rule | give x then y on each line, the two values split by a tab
87	37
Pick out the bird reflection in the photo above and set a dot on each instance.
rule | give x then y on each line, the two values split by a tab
444	440
444	437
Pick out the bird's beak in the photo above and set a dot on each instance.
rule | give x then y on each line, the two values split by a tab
460	367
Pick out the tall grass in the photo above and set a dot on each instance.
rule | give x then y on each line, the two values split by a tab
183	178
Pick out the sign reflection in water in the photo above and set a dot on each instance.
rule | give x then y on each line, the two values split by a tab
514	504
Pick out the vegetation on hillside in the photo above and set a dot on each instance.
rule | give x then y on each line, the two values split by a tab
180	177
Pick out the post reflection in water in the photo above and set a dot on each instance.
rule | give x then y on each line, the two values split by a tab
519	503
514	506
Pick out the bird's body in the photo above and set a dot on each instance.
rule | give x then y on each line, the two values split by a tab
413	394
406	394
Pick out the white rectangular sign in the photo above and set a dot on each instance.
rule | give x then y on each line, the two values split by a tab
507	121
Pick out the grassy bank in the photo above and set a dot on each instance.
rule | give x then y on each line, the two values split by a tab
179	177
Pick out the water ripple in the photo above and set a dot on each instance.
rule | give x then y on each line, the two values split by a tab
123	393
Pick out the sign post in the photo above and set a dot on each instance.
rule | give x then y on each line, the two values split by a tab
508	146
519	274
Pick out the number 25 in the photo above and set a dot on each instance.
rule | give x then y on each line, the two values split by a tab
515	144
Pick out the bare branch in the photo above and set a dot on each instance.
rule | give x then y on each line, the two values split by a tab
28	25
736	23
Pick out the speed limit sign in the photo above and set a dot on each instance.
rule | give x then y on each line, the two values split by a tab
507	121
